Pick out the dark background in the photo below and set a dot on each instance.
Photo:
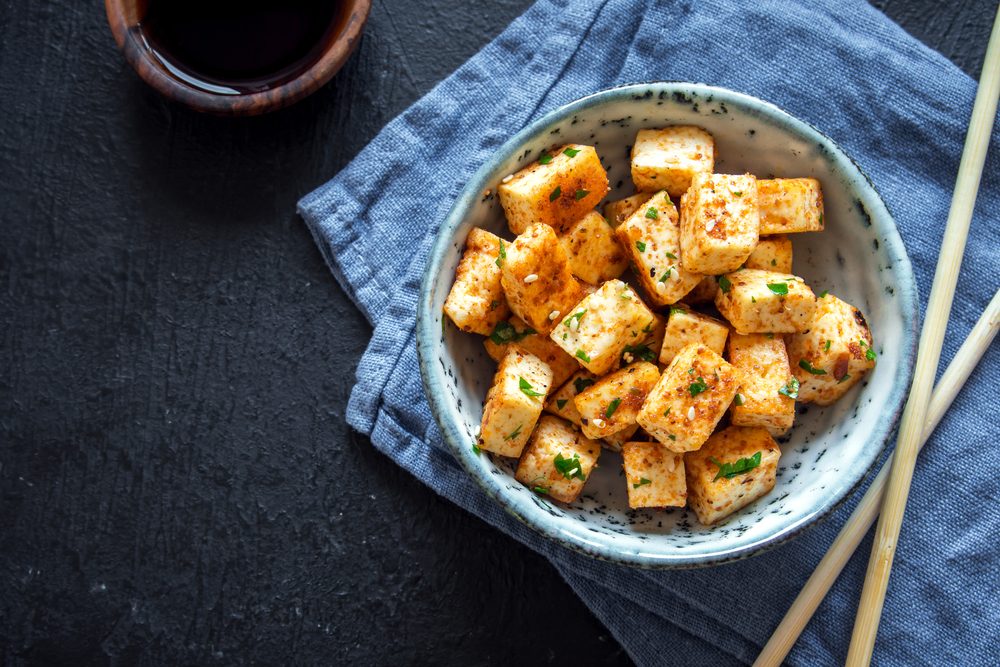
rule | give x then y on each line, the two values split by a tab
177	483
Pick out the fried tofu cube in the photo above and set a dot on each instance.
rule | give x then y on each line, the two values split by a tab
476	301
557	190
598	328
654	475
514	403
756	301
764	399
685	326
651	237
703	292
612	403
735	467
719	223
515	333
537	278
560	403
558	460
790	205
616	212
615	441
834	352
690	398
773	253
670	157
594	253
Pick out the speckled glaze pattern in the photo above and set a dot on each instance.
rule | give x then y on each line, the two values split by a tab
859	257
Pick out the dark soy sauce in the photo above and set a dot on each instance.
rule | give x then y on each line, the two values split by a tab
239	46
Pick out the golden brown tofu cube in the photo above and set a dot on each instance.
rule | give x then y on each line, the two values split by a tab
685	326
651	237
594	253
597	329
735	467
476	301
765	397
703	292
654	475
616	212
719	223
790	205
773	253
557	190
560	403
514	403
558	460
756	301
833	354
612	403
689	399
668	158
537	278
515	333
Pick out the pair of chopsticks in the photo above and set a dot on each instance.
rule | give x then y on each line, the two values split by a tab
890	490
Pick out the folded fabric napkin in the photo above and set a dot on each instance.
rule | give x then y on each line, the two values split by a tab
898	108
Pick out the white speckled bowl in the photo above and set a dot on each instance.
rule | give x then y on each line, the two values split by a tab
859	257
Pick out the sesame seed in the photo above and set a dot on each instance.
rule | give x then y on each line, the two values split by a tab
508	178
710	225
671	463
628	357
531	277
626	294
691	413
554	314
598	422
574	324
660	287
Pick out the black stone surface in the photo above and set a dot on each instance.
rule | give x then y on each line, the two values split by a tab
177	483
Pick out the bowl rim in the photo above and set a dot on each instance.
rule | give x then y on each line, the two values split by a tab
123	21
427	331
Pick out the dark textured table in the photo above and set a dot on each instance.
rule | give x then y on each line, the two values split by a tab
177	483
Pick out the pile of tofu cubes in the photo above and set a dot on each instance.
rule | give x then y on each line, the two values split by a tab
711	321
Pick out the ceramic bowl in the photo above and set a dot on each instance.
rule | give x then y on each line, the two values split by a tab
860	258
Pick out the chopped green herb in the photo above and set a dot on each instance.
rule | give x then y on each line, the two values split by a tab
578	315
555	193
738	193
527	389
569	468
671	436
847	376
698	387
674	309
513	434
580	354
738	399
724	284
582	383
666	412
690	371
641	246
671	255
821	218
826	348
774	262
823	293
770	336
494	304
561	403
666	275
504	332
571	151
503	254
640	352
869	352
753	299
791	390
740	467
580	194
544	158
612	406
651	213
476	449
806	366
778	288
642	482
648	329
540	489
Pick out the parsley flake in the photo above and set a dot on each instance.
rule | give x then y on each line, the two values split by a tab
774	262
791	390
740	467
641	246
823	293
575	316
869	352
544	158
809	368
580	354
778	288
476	449
698	387
666	275
561	403
738	399
582	383
651	213
569	468
671	436
572	152
641	352
555	193
513	434
580	194
612	406
671	255
826	348
642	482
540	489
504	332
724	284
502	256
847	376
527	389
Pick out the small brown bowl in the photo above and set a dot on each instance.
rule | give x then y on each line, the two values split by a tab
125	16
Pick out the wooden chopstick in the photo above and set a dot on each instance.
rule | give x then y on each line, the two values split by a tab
864	515
928	354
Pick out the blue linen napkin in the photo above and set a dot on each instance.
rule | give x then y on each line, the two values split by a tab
898	108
